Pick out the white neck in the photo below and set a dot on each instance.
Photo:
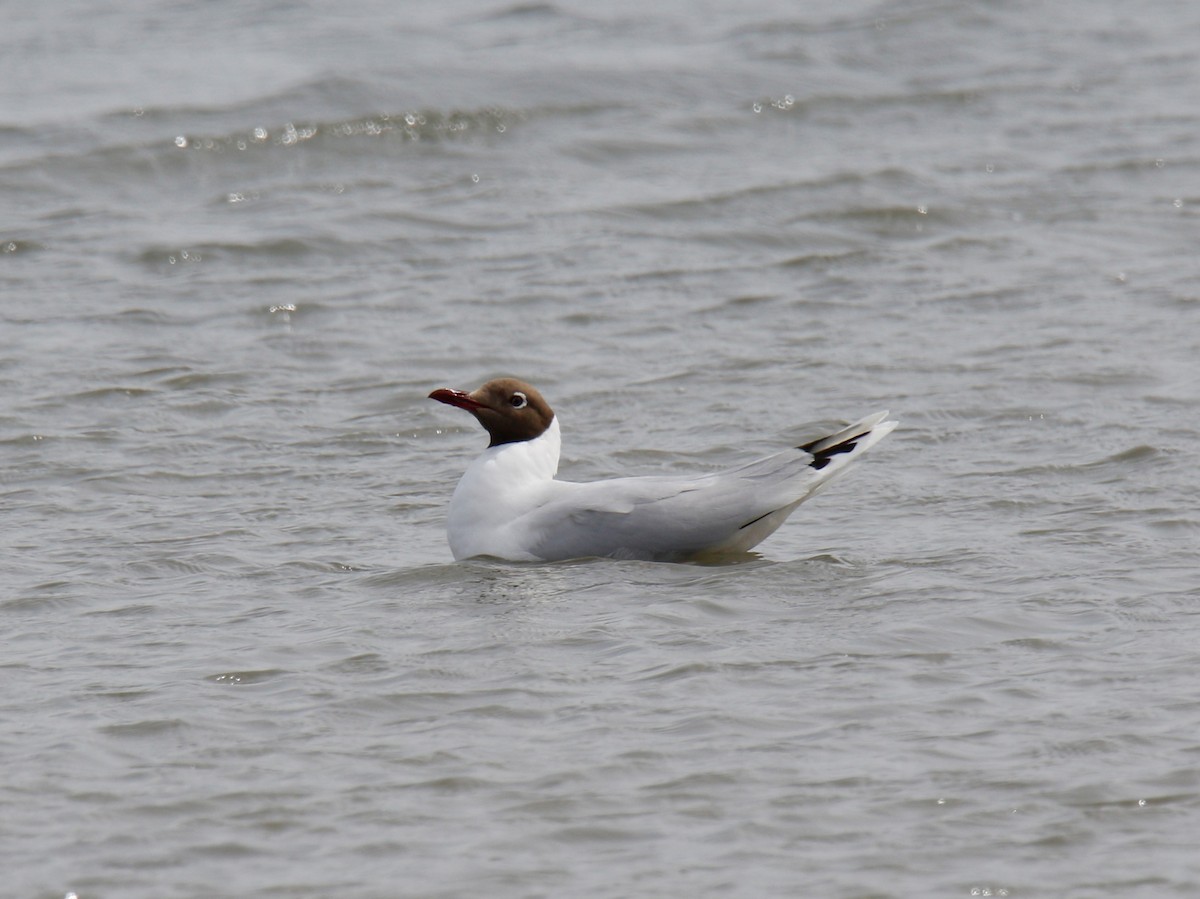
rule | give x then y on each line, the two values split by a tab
535	459
511	466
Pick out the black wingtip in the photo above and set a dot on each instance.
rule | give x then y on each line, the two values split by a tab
823	457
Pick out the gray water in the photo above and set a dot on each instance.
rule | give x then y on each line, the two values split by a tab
241	242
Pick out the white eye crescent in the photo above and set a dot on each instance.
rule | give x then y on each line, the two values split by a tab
518	400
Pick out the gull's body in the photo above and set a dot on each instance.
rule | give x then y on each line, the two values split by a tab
509	505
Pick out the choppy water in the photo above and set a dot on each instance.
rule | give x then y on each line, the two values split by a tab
241	243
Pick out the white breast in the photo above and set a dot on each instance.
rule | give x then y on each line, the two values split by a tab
500	486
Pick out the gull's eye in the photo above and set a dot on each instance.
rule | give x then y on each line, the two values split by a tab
518	400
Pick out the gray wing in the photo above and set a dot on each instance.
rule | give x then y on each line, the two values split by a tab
667	517
678	517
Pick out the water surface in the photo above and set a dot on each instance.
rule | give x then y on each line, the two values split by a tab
240	245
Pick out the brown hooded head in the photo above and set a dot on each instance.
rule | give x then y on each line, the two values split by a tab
510	410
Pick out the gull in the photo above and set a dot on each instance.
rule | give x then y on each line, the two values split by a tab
509	505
